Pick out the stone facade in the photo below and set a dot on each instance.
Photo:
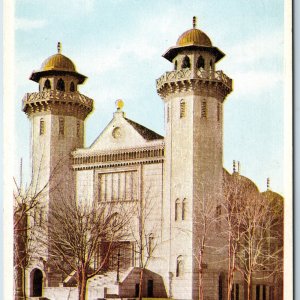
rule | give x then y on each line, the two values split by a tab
128	162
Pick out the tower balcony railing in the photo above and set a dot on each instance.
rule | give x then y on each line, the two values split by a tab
55	95
188	74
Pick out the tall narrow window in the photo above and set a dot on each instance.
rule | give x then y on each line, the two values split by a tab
264	292
61	126
220	287
72	87
257	292
182	108
203	109
232	293
150	244
176	209
200	63
237	292
218	216
183	212
47	85
175	65
186	62
211	65
42	126
41	218
60	85
219	112
168	113
179	266
78	129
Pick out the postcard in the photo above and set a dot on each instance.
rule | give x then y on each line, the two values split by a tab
148	150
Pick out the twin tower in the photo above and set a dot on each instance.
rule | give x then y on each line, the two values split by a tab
193	95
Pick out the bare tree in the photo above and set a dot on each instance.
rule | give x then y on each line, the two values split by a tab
26	204
146	235
80	234
205	223
231	206
253	228
28	212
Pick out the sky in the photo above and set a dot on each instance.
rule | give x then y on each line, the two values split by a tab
118	45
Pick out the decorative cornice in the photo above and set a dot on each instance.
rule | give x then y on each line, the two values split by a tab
122	157
199	81
57	102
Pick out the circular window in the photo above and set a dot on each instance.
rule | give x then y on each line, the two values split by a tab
116	133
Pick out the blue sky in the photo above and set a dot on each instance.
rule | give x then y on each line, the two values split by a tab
118	44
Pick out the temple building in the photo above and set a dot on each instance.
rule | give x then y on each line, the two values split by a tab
180	174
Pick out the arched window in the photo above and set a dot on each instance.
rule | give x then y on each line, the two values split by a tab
179	266
42	126
78	129
219	112
60	86
175	65
47	85
177	209
36	279
200	62
184	208
150	244
61	126
203	109
186	62
182	108
72	87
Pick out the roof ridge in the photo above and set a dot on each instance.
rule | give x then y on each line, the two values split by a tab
145	132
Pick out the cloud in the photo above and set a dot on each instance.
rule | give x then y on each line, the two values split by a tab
27	24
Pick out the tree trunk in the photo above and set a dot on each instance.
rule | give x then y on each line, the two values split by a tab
141	284
200	275
229	284
249	285
82	276
24	283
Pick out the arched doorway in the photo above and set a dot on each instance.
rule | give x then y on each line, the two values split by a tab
36	283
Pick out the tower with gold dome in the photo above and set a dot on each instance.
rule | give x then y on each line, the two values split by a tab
193	95
57	113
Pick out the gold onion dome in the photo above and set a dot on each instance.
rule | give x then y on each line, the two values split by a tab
55	64
194	36
193	39
58	62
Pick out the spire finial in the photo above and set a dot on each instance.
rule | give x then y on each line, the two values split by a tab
234	169
59	47
268	183
194	22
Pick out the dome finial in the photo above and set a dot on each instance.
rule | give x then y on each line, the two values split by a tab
59	47
268	183
194	22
